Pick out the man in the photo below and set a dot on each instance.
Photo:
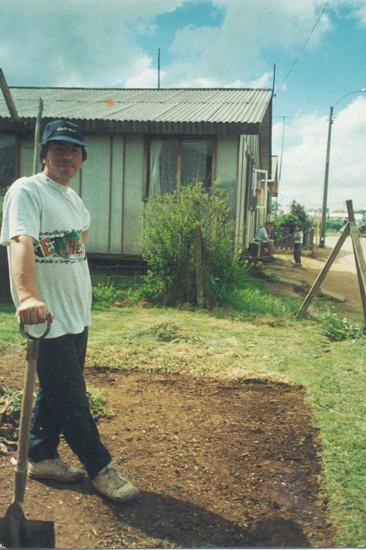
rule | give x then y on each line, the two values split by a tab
45	227
255	198
262	235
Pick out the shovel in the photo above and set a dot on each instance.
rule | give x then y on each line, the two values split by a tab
15	530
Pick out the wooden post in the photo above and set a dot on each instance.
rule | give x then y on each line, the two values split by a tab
317	229
36	135
198	248
283	243
288	238
359	258
314	289
199	267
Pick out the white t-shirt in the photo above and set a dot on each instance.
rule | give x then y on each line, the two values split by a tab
55	216
298	237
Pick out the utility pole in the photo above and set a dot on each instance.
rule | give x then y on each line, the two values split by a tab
159	68
326	178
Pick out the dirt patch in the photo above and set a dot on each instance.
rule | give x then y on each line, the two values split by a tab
342	277
219	463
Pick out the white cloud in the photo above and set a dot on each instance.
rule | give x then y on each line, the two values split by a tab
143	74
303	163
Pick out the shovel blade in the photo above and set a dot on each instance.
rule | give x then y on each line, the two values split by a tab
18	532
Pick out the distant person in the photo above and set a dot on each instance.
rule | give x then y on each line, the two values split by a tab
254	201
262	235
298	239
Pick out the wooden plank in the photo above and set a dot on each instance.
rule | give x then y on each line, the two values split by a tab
360	264
314	289
359	257
37	135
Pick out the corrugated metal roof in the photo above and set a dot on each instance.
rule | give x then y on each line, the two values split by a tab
143	110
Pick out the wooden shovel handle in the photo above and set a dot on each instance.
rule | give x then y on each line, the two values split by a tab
26	412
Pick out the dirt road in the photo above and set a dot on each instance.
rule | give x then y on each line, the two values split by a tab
342	277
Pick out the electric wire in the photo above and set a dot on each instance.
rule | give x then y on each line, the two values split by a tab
304	46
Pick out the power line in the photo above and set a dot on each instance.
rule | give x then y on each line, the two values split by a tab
304	46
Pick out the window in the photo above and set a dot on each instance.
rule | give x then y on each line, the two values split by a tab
177	161
260	183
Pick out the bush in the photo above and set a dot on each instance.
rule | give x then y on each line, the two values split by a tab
171	222
287	220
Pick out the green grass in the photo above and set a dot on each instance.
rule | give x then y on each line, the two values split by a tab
254	342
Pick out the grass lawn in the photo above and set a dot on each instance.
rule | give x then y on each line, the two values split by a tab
220	343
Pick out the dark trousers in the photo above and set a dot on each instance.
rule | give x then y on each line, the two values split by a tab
297	252
62	405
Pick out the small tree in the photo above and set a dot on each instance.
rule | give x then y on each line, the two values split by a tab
287	220
170	223
299	211
297	216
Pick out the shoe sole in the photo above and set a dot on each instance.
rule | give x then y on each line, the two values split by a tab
55	478
133	494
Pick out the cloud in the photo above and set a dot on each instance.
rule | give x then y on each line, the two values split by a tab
303	162
96	43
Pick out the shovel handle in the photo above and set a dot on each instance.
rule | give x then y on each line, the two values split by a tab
26	412
27	336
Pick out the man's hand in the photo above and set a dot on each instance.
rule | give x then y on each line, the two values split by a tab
33	312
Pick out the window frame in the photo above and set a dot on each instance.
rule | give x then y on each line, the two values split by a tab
180	138
256	172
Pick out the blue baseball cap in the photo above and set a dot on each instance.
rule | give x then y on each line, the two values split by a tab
64	131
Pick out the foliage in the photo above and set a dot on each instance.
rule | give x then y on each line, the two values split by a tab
105	293
296	216
11	416
256	302
299	211
287	220
337	329
171	224
97	404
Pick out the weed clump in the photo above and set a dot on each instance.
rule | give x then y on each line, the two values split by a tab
337	329
97	404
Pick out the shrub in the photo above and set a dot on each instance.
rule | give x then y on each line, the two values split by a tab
170	224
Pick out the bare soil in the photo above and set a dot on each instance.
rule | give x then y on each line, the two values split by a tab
219	463
341	278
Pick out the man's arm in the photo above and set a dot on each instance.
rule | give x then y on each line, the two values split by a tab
84	235
23	266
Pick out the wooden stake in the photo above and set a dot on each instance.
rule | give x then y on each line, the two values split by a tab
36	135
359	257
314	289
199	267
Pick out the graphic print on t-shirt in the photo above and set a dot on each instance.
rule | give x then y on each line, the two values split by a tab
62	248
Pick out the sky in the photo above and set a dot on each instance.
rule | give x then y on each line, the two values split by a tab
312	51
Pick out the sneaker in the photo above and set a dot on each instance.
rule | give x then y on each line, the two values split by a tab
113	485
54	468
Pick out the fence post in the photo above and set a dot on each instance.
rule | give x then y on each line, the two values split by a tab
198	250
287	240
282	237
276	232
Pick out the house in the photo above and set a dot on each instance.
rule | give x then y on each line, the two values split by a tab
147	141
